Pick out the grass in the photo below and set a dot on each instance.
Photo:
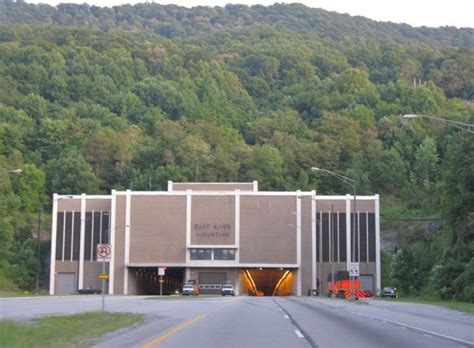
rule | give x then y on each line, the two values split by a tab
80	330
20	293
460	306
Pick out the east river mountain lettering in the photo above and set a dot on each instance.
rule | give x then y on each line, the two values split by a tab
212	230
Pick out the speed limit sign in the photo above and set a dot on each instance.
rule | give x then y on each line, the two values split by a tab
104	252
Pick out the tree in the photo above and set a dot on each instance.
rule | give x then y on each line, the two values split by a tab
426	161
405	275
388	173
70	174
30	188
269	168
195	155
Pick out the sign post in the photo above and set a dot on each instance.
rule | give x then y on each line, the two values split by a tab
353	272
161	273
354	269
104	252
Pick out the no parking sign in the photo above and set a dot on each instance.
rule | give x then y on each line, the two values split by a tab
104	252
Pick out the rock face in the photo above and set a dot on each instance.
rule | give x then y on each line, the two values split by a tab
403	232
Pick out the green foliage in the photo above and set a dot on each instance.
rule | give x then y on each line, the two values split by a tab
93	99
426	161
175	22
386	268
405	275
70	174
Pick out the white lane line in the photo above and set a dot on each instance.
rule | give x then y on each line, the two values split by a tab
403	327
287	317
459	340
299	334
280	308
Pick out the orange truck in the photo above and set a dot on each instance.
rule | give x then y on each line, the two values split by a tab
341	287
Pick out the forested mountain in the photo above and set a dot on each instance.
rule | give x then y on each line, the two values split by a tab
174	21
131	97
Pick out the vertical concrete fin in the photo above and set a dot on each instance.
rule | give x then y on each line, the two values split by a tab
237	225
128	200
298	241
72	236
348	230
52	267
113	218
314	265
82	240
188	222
377	244
255	186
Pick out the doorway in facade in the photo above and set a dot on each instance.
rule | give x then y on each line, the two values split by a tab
267	281
146	281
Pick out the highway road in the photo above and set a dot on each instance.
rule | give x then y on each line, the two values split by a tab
264	321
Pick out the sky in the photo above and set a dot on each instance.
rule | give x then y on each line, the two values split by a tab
431	13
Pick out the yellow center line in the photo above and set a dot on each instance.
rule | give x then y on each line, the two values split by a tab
172	331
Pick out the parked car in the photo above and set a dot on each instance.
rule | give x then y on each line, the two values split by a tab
227	290
389	292
190	289
369	293
89	290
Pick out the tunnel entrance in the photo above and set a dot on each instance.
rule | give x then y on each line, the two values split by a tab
146	280
268	281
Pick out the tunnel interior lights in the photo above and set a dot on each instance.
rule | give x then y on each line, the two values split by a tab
282	279
249	277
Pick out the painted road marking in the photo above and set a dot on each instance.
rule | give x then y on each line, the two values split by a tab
451	338
287	317
299	334
172	332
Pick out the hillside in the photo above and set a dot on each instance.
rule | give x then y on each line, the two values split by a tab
131	97
174	21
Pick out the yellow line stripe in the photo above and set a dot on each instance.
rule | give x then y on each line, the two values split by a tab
172	332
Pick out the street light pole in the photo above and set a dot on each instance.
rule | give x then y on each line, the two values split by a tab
352	183
459	125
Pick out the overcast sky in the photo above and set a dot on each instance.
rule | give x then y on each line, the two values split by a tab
433	13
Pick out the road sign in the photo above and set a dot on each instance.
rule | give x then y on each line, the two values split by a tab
104	252
161	271
103	276
353	269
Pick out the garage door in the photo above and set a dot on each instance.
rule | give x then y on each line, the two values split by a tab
211	282
367	282
66	283
212	277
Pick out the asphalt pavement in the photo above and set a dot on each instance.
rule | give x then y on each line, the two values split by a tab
262	321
